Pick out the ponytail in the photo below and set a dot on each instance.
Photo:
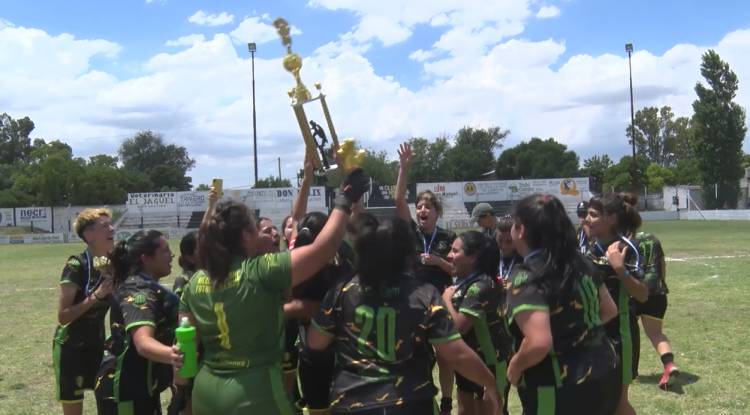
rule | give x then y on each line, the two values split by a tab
126	256
623	206
385	251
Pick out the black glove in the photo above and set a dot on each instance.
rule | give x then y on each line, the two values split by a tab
179	400
354	186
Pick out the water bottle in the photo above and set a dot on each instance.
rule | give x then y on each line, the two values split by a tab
185	335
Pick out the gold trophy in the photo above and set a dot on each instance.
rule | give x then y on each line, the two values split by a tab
348	158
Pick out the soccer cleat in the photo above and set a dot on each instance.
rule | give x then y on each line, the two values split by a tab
669	377
446	406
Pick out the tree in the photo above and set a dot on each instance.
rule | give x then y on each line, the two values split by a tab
429	160
52	176
595	167
661	138
165	165
720	129
537	159
15	144
379	168
658	176
272	181
473	155
617	177
202	187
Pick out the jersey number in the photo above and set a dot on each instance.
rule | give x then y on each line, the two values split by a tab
221	321
385	328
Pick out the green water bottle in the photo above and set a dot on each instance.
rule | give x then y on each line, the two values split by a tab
186	342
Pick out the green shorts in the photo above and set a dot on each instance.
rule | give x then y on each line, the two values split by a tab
257	391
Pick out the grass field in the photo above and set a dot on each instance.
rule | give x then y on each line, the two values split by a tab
707	321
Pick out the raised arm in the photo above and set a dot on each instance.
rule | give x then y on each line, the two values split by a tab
405	159
309	259
213	197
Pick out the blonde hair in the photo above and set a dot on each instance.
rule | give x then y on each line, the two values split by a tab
87	217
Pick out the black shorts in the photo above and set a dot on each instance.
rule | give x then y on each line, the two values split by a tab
106	404
594	397
655	307
76	363
422	407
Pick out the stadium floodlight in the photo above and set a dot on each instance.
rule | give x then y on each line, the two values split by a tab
629	50
252	48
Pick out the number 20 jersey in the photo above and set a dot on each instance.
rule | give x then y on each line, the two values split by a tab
383	342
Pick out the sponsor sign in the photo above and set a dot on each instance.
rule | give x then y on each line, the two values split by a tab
40	217
446	191
153	202
6	217
35	238
192	201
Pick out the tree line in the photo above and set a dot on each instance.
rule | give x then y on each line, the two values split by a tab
705	149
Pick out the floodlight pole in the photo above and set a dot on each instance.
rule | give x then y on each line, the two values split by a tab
252	48
633	169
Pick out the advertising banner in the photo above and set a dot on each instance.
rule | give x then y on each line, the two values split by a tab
40	217
6	217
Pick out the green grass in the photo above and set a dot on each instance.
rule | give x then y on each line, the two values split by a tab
706	321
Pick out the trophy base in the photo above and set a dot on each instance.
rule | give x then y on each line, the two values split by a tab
326	172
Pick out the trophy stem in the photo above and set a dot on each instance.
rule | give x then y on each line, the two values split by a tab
299	112
332	130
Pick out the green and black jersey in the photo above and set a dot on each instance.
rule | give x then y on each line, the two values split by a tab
436	243
241	322
625	305
482	299
79	272
181	281
141	301
581	350
654	267
382	342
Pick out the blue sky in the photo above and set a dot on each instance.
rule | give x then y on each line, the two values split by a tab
392	70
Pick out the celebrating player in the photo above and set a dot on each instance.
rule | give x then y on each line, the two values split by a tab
241	370
476	304
564	362
612	221
141	355
78	345
653	310
433	244
382	324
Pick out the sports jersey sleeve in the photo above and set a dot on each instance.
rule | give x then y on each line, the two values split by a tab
653	267
73	272
634	262
274	270
325	320
184	299
440	327
524	296
477	301
138	307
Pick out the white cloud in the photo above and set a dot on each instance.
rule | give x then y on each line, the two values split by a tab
188	40
420	55
202	18
258	29
481	74
547	12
